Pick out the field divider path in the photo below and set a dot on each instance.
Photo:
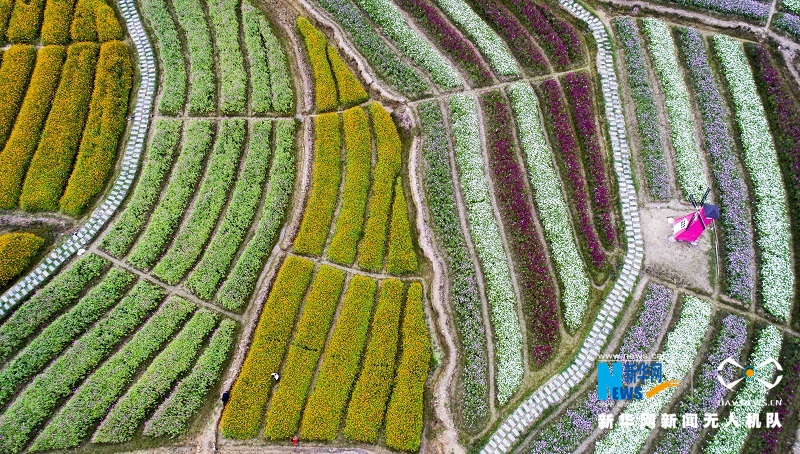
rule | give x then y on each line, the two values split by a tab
138	126
511	430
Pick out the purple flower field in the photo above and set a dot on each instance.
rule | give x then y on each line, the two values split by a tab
579	95
655	165
529	252
536	22
450	39
520	41
708	392
745	9
556	112
735	219
565	434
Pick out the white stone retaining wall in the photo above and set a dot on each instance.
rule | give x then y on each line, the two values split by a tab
556	389
139	123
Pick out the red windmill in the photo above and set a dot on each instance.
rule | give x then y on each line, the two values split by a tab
689	228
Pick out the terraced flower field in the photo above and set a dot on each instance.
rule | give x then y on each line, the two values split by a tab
396	225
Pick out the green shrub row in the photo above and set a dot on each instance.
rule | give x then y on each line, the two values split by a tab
94	20
323	413
26	18
197	140
173	66
401	258
368	403
52	163
389	148
19	149
42	396
241	281
213	266
104	128
62	291
203	87
62	331
5	14
157	163
56	21
92	400
325	95
17	249
15	72
283	415
260	89
156	381
280	80
210	199
358	165
232	76
351	92
270	83
404	420
172	417
325	180
244	412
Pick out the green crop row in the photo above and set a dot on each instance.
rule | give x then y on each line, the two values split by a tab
373	246
241	281
37	402
167	215
233	78
260	89
202	218
52	163
92	400
15	72
404	416
26	18
325	94
62	291
283	415
244	412
56	21
95	21
401	258
19	149
325	180
280	81
17	249
62	331
350	222
368	403
156	381
351	92
205	278
203	89
173	66
5	14
172	417
104	128
157	163
337	373
270	84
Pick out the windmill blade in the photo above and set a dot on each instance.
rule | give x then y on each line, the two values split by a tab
702	221
705	196
691	221
691	199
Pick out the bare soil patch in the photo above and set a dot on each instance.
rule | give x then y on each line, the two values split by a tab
679	263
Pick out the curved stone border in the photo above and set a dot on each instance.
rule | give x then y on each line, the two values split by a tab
554	391
130	166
